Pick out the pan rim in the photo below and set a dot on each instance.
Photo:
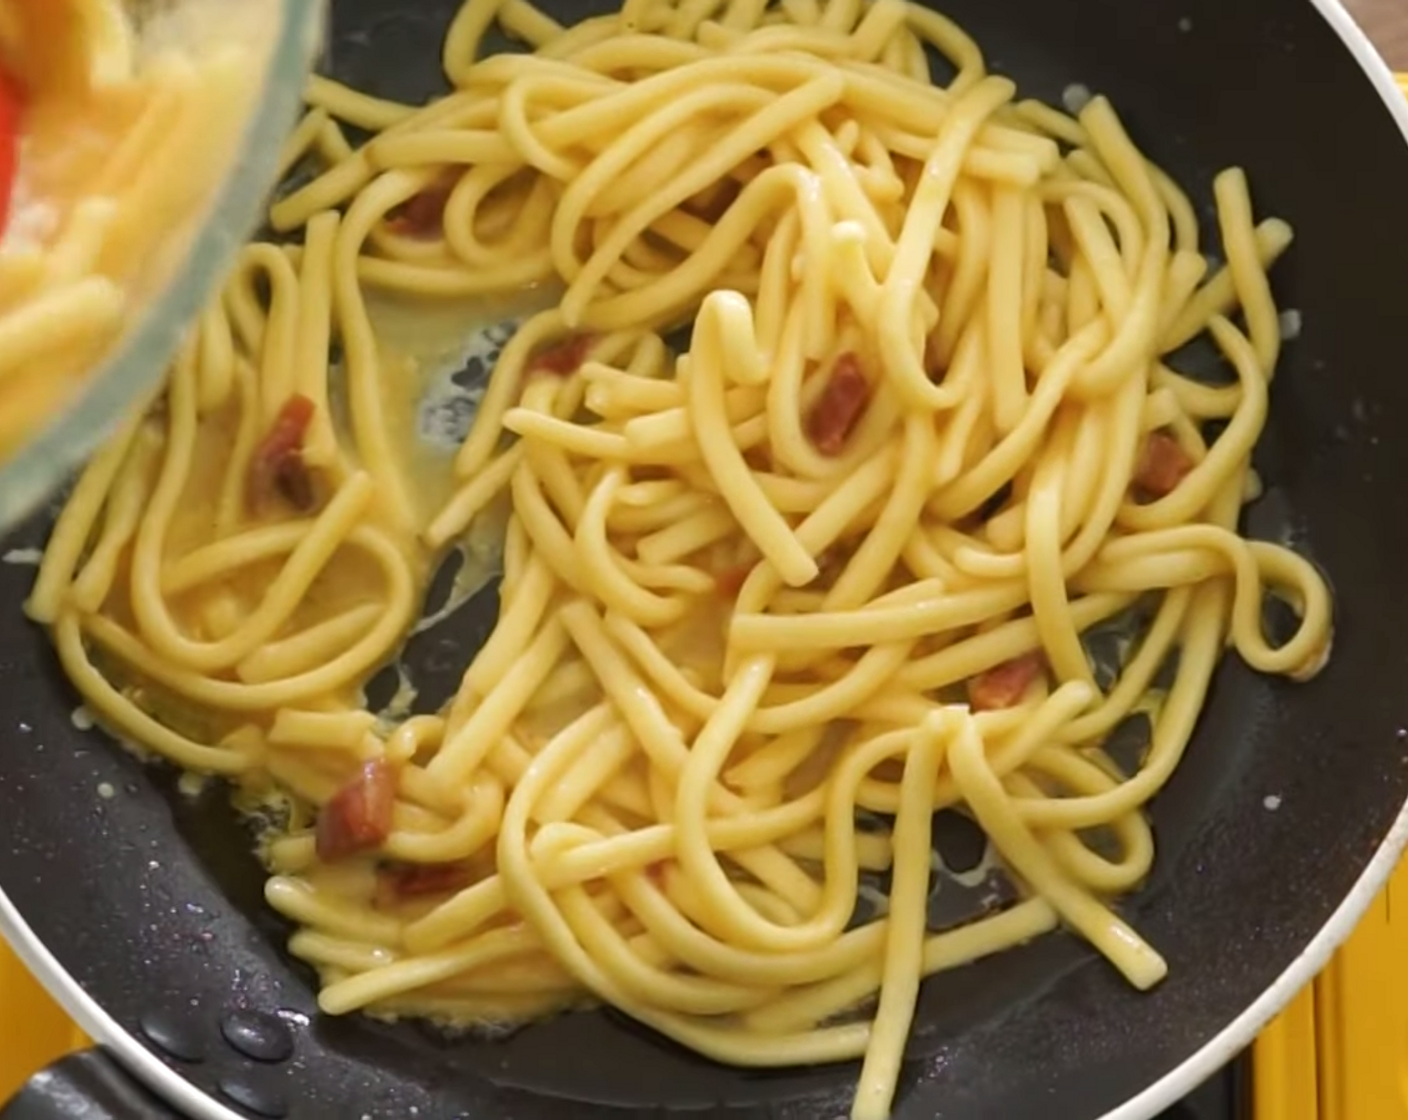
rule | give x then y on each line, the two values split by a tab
1219	1050
175	1089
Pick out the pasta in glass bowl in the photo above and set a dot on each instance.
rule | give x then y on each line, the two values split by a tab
137	140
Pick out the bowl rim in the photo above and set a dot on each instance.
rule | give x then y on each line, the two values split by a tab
135	367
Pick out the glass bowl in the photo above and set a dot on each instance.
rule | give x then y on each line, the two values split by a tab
266	47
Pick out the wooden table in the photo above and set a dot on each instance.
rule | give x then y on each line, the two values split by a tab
1386	21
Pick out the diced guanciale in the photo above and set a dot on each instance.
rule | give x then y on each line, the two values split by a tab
840	406
358	818
1003	686
933	365
729	582
422	216
562	358
277	465
1162	465
832	564
417	880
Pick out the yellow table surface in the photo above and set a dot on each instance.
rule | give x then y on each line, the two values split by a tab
1340	1051
34	1030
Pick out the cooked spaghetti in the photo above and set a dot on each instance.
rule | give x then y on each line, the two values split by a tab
107	144
840	552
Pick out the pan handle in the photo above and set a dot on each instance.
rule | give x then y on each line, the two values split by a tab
88	1085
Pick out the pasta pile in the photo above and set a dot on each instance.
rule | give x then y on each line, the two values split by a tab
106	148
840	553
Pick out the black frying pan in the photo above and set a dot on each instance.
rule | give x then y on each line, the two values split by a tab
143	911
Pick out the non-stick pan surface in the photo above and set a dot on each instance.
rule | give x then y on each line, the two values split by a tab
150	900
